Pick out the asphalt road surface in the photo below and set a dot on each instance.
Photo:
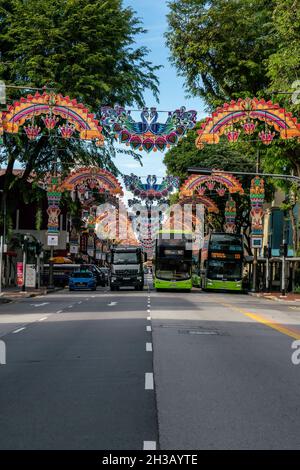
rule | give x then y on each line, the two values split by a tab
134	370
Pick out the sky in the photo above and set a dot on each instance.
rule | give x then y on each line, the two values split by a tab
152	14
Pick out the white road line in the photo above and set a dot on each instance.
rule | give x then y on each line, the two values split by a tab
149	382
112	304
149	445
70	306
148	328
148	347
149	318
39	305
20	329
59	311
42	319
80	302
148	310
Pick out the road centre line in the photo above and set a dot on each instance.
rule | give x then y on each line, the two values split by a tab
149	318
148	328
59	311
42	319
260	319
149	382
149	347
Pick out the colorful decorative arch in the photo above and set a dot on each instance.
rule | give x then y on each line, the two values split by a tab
148	134
95	177
209	204
244	111
76	114
151	190
199	183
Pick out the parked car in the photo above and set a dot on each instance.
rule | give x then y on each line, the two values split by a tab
105	271
99	275
82	280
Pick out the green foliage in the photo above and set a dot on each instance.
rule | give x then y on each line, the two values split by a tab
220	47
284	63
80	48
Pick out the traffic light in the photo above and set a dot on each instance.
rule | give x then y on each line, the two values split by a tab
284	249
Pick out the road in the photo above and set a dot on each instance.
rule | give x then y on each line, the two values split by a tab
131	370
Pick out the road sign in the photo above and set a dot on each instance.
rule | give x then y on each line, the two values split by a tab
52	240
256	242
30	275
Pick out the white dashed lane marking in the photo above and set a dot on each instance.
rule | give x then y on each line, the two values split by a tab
149	347
149	382
42	319
148	328
20	329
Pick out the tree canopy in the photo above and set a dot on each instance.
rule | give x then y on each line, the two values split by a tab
220	47
80	48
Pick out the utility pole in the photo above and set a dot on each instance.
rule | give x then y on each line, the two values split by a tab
24	263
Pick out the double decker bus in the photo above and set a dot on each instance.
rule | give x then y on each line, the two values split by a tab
173	260
221	262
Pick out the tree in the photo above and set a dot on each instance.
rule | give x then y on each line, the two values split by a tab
220	47
80	48
284	64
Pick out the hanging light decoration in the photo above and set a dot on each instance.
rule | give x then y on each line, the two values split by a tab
50	121
266	137
67	130
249	127
32	131
233	135
221	191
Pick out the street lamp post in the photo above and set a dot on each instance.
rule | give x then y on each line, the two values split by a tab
24	263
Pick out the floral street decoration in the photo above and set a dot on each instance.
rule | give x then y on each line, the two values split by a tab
151	190
242	116
198	184
147	134
257	197
52	109
53	211
230	215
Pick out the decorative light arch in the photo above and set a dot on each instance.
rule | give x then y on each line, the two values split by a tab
77	116
197	184
209	204
147	134
245	112
95	177
151	189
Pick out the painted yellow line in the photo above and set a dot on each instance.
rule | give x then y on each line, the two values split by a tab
260	319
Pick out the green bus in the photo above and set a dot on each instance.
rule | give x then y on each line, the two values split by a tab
173	260
221	262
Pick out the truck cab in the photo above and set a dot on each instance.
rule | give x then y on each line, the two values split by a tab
126	267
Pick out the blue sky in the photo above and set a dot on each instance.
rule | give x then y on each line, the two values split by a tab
172	94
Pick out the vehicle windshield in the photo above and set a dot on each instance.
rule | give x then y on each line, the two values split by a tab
226	243
225	270
85	274
125	258
173	270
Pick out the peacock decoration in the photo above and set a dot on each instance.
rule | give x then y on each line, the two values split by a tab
148	134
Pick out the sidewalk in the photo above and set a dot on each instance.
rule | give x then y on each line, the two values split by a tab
11	294
289	297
